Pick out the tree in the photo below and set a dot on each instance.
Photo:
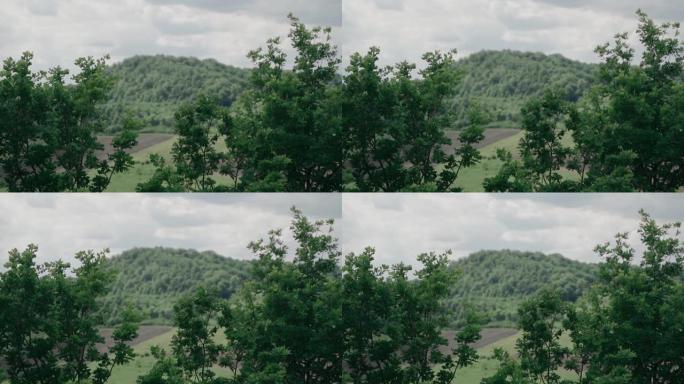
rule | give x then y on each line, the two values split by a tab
194	348
199	125
645	104
48	128
539	348
120	353
637	314
542	151
300	121
48	321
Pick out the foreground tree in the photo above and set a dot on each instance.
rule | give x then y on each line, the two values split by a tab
196	160
48	322
639	309
48	128
542	151
303	320
395	124
627	131
628	329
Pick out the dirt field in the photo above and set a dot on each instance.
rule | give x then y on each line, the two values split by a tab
489	336
492	135
145	140
145	333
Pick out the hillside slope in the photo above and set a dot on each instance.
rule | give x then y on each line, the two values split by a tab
495	282
492	282
153	279
151	88
501	82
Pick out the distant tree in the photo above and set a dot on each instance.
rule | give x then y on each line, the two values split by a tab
120	353
164	371
48	128
541	353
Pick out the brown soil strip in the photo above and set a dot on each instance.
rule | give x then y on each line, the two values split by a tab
145	333
145	140
489	336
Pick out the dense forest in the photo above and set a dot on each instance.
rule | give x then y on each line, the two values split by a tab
491	282
153	279
151	88
496	282
502	82
310	315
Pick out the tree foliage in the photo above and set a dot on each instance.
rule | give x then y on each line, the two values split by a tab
48	128
626	132
49	323
627	329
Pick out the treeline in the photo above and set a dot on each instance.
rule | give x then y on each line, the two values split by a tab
314	318
151	280
493	283
502	82
313	127
150	89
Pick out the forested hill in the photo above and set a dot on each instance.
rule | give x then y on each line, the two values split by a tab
153	279
502	81
495	282
152	87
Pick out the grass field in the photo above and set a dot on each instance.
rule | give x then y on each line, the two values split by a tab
470	179
485	367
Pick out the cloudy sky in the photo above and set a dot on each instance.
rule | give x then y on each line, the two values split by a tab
399	226
58	31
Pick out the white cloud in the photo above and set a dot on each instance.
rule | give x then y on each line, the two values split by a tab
58	31
399	226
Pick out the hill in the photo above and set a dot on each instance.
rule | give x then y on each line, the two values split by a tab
495	282
152	280
492	282
501	82
151	88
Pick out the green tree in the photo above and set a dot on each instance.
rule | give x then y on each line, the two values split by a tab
637	315
48	128
48	322
164	371
645	103
199	125
193	344
542	151
539	348
300	122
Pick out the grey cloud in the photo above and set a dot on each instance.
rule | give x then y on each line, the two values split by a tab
661	9
43	7
327	12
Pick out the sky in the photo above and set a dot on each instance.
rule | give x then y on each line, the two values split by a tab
58	31
398	226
